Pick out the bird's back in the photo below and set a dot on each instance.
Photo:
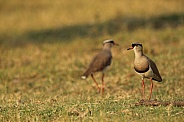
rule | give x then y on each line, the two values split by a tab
99	62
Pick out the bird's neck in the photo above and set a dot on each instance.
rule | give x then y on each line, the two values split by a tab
138	54
107	47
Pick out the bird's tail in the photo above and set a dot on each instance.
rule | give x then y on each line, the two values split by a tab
85	75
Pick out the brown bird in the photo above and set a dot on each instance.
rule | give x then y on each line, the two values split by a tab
145	67
100	63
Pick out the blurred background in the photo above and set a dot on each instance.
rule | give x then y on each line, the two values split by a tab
45	21
45	46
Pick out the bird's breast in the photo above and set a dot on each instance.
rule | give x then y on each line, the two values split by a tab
141	65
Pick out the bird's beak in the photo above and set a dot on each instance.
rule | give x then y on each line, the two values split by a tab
116	44
130	48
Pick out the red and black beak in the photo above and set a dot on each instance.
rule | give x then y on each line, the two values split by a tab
130	48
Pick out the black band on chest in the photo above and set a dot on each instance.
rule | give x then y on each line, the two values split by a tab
141	71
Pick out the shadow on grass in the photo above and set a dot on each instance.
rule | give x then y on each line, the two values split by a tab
115	25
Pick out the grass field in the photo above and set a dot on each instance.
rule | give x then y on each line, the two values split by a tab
46	46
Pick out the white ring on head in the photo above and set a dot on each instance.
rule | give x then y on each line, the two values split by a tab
106	41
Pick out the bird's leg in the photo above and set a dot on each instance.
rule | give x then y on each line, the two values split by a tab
103	83
95	83
143	87
151	88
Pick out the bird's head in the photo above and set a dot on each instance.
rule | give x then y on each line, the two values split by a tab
110	42
136	46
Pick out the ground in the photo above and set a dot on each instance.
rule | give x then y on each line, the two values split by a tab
46	46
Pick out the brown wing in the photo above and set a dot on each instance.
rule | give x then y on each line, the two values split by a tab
99	62
156	74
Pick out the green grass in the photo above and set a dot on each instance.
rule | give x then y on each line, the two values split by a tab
46	46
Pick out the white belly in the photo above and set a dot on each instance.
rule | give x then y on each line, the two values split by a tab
147	74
